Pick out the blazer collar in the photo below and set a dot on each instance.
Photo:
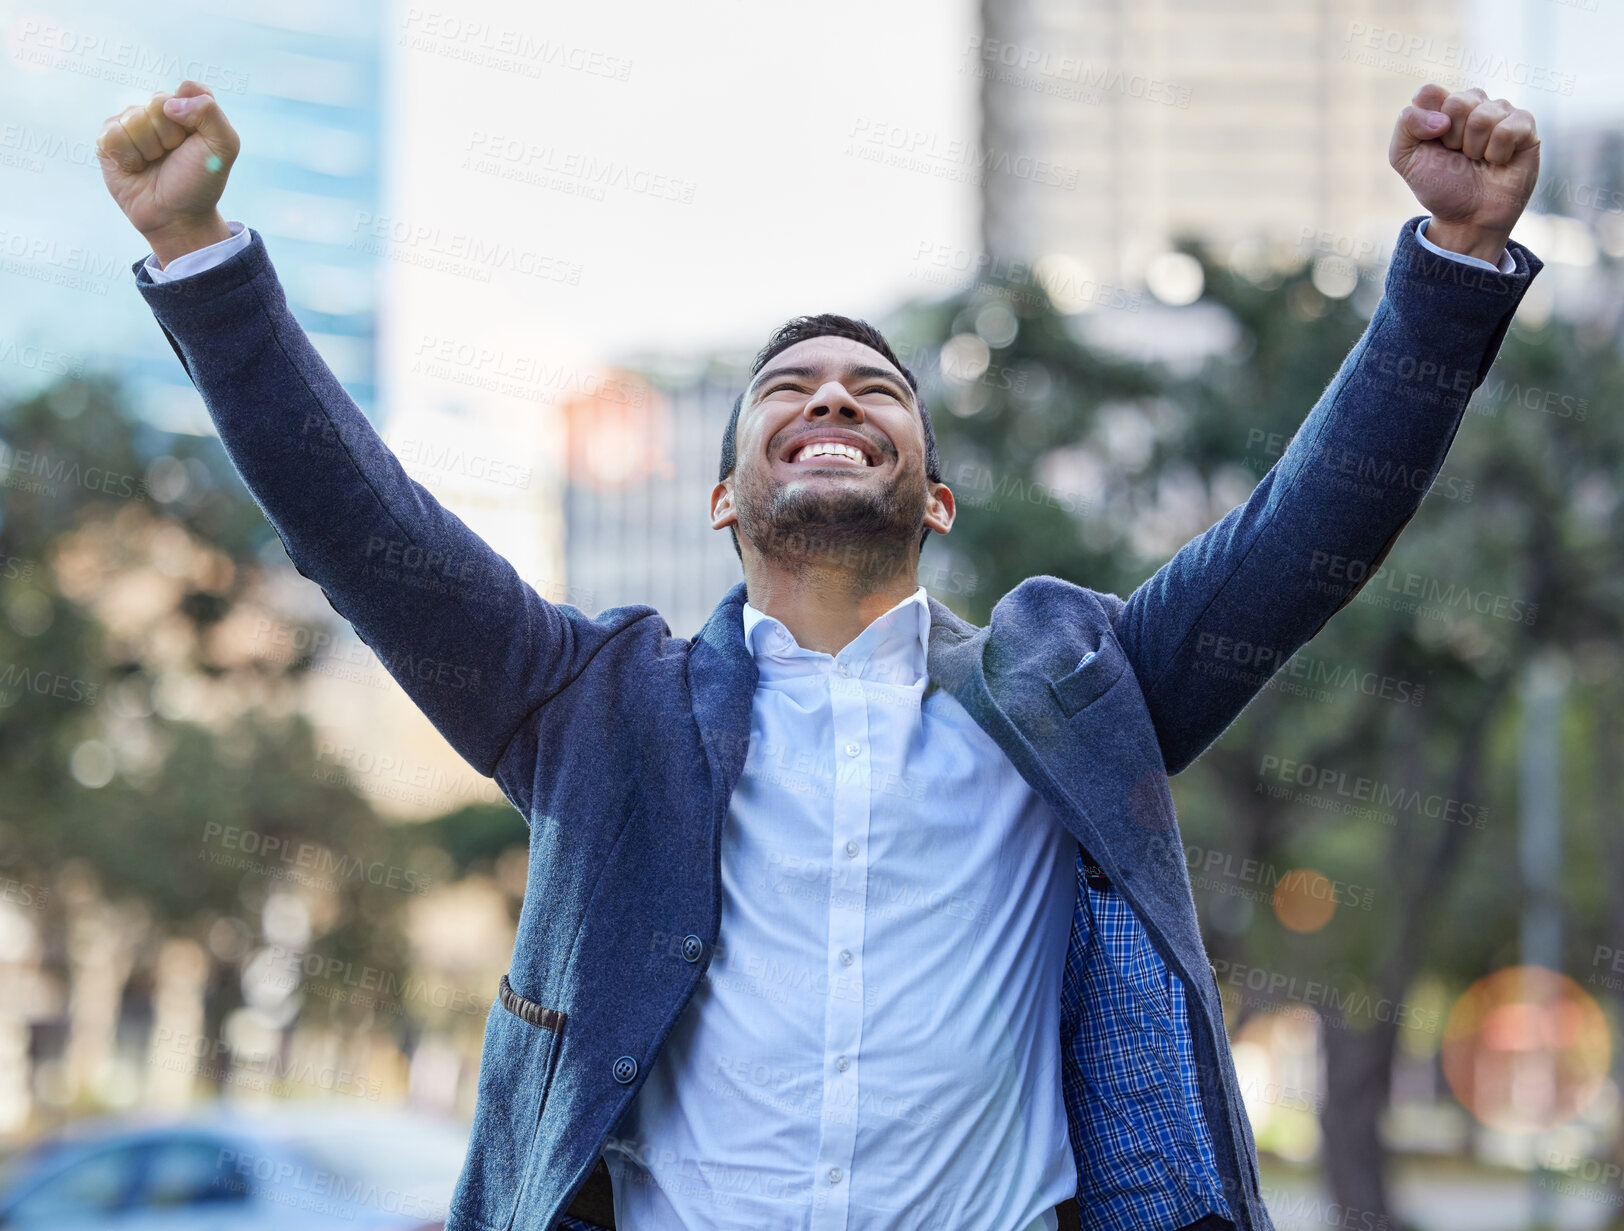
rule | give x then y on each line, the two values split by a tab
723	673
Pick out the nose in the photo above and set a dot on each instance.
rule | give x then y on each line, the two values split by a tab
831	401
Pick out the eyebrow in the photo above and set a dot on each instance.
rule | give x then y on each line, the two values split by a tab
860	371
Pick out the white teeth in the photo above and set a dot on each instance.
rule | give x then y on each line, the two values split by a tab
831	448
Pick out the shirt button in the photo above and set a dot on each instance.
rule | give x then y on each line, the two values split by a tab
844	669
842	1063
834	1175
851	850
845	957
852	750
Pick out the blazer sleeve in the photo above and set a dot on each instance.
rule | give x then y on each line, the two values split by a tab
473	645
1272	572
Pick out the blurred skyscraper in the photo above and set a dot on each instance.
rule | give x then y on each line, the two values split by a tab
640	534
1113	128
300	81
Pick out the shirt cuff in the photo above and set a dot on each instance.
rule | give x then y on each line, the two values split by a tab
1506	265
204	258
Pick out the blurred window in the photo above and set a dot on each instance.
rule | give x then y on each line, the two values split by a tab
99	1184
192	1173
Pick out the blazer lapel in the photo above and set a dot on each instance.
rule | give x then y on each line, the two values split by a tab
722	675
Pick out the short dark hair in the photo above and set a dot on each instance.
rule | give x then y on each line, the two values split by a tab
824	325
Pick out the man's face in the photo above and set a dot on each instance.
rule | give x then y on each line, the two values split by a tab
830	450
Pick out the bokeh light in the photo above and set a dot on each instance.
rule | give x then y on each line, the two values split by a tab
1525	1049
1304	900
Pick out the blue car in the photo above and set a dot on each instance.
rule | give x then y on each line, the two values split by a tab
231	1169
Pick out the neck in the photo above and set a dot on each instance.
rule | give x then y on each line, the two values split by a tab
826	607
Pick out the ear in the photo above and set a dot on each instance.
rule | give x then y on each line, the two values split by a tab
722	512
939	509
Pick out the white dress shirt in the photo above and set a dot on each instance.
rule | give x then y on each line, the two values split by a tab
876	1044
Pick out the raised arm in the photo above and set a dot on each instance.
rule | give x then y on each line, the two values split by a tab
1271	573
474	646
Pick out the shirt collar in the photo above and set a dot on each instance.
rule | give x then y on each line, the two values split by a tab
892	649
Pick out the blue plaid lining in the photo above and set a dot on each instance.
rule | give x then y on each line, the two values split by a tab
1145	1159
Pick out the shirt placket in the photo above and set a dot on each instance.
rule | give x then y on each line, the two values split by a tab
848	896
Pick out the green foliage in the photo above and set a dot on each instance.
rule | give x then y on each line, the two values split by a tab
135	738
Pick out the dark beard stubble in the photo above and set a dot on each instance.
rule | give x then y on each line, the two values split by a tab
867	533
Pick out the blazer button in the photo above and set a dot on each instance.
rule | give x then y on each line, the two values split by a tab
625	1070
692	948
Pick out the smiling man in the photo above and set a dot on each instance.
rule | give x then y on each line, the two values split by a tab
845	914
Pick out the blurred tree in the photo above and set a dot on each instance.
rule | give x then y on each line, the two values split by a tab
1084	462
154	771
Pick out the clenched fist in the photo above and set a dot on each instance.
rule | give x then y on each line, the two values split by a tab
1471	161
165	162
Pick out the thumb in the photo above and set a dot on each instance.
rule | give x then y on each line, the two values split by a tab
1415	125
200	113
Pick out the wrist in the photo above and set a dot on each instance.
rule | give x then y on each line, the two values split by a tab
185	235
1467	240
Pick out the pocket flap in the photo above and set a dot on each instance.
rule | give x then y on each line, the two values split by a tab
1099	669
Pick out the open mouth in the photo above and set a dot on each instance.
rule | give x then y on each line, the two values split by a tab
831	452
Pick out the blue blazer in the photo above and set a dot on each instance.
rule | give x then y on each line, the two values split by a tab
621	744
